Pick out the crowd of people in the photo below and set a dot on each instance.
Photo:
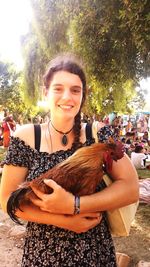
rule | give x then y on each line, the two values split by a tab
8	126
135	136
136	140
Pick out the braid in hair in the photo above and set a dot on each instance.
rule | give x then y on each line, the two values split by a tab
77	131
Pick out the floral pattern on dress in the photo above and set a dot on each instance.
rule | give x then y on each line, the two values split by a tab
51	246
104	133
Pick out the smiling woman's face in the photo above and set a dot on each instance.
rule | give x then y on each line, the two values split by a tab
65	95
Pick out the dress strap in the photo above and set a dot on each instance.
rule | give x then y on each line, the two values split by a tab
37	136
88	131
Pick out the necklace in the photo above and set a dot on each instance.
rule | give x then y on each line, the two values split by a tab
64	139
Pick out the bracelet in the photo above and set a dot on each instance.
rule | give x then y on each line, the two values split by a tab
76	205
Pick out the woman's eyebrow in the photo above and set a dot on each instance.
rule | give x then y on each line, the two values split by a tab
73	86
76	86
57	84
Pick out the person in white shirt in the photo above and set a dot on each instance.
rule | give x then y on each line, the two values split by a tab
138	157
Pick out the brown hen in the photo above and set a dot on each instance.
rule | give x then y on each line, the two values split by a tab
79	174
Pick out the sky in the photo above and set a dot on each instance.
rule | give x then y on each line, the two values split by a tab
145	84
15	16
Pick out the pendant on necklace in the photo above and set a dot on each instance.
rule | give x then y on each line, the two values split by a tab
64	140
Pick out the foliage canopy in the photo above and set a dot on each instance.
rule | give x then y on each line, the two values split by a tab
10	90
112	36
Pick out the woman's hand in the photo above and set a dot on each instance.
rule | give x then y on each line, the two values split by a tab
77	223
59	202
80	223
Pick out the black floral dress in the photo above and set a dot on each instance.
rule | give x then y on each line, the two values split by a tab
50	246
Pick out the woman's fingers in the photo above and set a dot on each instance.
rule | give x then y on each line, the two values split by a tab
51	202
81	223
35	200
91	215
93	220
38	198
90	221
38	193
51	183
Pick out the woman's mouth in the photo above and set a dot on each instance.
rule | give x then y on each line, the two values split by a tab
66	107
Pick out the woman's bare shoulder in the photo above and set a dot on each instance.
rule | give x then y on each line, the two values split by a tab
26	133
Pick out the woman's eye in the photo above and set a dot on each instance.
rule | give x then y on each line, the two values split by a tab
57	89
76	90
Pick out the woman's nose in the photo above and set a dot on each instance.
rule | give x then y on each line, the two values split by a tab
66	94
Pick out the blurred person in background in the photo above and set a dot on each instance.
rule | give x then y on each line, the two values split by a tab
138	157
8	127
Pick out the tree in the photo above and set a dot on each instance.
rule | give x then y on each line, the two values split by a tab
10	89
111	35
103	33
47	36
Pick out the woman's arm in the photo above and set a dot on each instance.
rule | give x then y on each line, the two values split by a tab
123	191
13	176
77	223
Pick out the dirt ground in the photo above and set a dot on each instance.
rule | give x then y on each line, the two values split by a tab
137	245
11	242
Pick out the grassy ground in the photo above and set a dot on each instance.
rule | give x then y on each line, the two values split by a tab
2	155
2	151
143	173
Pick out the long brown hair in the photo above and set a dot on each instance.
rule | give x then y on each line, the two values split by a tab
68	62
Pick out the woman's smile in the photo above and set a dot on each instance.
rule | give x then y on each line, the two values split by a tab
66	107
65	95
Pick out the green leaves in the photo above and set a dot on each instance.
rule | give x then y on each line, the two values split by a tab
10	89
112	36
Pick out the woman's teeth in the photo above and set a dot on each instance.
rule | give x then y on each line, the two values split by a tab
65	107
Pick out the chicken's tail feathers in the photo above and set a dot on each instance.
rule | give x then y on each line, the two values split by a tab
14	203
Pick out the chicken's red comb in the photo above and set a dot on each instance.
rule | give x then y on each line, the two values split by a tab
119	151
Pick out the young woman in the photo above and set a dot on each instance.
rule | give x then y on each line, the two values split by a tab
54	239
